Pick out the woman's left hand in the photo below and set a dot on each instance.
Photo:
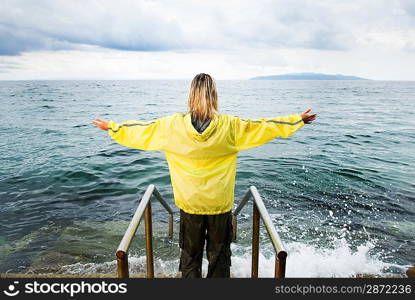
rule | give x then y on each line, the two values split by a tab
100	123
307	117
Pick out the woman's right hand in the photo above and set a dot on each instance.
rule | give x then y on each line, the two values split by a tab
308	118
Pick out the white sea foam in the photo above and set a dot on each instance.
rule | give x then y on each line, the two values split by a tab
304	260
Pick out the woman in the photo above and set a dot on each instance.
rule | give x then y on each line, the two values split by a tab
201	148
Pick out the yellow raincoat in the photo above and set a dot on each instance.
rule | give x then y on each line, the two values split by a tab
203	165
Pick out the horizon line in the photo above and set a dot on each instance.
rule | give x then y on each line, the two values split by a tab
172	79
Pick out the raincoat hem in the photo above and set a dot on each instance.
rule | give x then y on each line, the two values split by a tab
202	212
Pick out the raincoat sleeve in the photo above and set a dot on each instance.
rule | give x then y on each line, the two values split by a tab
138	134
250	133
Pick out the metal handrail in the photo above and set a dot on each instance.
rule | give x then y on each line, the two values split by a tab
143	208
259	211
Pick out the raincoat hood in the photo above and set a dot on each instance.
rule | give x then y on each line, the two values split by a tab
206	134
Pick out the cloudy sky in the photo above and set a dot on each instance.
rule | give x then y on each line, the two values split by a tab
132	39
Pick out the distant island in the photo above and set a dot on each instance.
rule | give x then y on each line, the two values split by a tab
308	76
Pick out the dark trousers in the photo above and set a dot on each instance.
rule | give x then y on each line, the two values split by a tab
217	231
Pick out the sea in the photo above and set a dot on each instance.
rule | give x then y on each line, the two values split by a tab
340	191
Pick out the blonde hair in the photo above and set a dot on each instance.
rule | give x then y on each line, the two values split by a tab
203	98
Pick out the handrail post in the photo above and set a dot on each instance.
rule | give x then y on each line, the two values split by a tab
122	264
144	208
170	226
280	260
149	240
255	241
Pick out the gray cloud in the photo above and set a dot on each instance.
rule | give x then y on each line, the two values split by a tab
53	25
16	40
408	6
179	25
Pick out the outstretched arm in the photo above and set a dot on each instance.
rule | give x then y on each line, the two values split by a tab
135	134
250	133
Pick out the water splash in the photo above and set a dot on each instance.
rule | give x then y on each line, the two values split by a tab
303	261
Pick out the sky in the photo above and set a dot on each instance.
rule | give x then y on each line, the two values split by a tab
133	39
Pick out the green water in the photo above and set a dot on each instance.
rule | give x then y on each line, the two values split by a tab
340	191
